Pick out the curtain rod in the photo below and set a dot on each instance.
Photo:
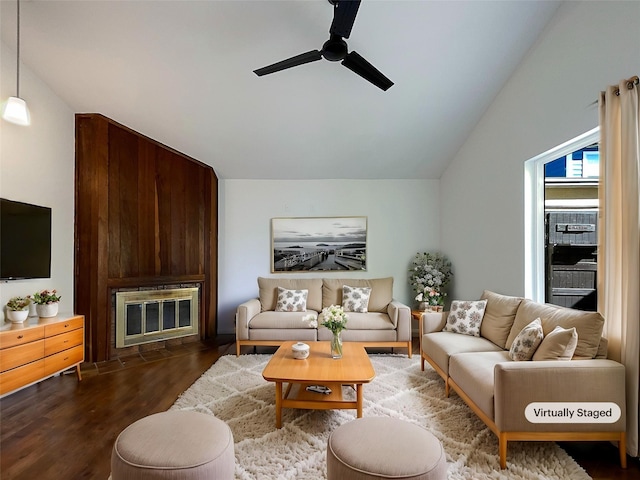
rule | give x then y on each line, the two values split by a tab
630	84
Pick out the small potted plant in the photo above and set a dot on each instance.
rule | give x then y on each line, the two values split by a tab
18	309
46	303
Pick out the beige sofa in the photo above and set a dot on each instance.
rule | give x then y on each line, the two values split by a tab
387	323
498	389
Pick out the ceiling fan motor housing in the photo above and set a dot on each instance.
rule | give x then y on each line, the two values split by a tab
334	49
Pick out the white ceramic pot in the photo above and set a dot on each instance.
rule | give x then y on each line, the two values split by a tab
300	350
17	316
47	310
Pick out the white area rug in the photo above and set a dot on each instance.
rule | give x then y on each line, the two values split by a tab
233	390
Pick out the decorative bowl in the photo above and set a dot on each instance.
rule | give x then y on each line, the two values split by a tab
300	350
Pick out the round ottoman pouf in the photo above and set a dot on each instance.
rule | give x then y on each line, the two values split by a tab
174	445
383	447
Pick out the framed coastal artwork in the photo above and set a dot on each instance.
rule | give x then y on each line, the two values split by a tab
307	244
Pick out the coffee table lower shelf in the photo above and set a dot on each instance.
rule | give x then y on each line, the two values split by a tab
296	396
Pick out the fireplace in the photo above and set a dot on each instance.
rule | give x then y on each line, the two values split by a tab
145	316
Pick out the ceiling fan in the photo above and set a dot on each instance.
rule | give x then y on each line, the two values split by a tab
335	49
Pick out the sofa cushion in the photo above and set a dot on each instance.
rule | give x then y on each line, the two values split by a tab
381	291
369	321
558	345
499	316
324	334
439	346
291	300
355	299
526	342
279	320
268	291
588	324
465	317
473	373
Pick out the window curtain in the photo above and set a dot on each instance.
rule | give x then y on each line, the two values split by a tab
619	238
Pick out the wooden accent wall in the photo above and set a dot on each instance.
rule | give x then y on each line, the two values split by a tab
146	215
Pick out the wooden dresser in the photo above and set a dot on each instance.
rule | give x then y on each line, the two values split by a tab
39	348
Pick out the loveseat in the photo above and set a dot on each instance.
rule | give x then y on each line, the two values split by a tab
278	314
529	371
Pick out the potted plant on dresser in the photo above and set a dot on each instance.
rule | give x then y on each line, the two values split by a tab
18	309
46	303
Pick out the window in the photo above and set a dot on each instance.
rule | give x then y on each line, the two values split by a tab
570	167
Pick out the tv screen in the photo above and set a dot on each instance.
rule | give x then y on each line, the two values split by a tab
25	240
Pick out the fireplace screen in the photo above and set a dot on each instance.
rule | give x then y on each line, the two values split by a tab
154	315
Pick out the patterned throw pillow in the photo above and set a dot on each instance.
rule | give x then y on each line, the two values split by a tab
355	299
527	341
465	317
291	300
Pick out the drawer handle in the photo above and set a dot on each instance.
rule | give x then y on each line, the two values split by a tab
66	341
66	325
20	336
66	358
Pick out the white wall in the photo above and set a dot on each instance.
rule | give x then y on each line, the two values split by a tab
586	46
402	217
37	166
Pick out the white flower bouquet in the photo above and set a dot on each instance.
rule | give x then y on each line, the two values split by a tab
429	275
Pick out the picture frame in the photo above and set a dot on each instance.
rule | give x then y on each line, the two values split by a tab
308	244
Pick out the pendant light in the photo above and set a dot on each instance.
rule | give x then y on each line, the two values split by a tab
15	109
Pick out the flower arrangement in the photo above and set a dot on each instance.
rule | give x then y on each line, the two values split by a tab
17	304
429	275
311	320
334	318
431	297
45	297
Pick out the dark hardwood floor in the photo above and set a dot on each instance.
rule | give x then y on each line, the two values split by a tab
62	429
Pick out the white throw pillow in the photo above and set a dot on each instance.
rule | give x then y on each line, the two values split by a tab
527	341
465	317
557	345
355	299
291	300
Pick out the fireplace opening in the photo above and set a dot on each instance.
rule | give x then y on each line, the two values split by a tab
154	315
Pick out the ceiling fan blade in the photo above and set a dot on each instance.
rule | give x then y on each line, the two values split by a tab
301	59
344	14
357	64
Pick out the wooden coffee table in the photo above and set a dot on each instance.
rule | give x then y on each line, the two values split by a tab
354	368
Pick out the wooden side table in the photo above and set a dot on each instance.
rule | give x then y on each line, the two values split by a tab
417	315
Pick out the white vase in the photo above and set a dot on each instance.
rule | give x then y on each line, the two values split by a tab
17	316
47	310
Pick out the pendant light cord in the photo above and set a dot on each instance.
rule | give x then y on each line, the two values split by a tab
18	52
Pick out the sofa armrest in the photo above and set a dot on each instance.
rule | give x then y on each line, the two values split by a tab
245	312
517	384
433	321
400	316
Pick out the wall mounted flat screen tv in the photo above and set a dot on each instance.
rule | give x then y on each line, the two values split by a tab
25	240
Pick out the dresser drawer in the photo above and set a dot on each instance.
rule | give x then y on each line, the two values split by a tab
63	360
21	355
64	341
19	336
62	327
21	376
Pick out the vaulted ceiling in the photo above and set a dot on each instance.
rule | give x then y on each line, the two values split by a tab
181	72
